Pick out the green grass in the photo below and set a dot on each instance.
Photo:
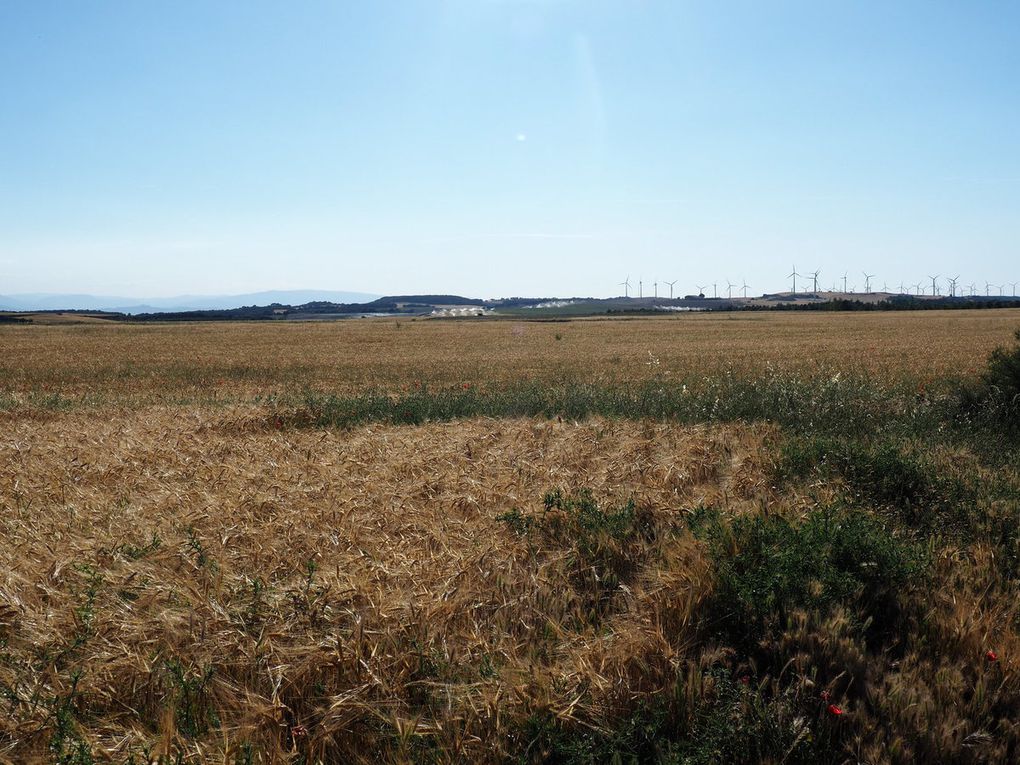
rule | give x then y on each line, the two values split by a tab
849	405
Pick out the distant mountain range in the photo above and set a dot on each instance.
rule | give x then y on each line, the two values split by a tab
57	302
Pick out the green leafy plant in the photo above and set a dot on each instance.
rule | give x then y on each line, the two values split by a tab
66	744
719	719
767	566
883	475
194	712
607	546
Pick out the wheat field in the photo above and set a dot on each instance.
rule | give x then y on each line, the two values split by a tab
190	572
150	361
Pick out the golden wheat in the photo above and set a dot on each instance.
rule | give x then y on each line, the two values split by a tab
184	577
283	560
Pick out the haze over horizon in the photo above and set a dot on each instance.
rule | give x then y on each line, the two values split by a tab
507	147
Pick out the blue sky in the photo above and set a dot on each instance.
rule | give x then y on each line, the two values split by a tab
504	147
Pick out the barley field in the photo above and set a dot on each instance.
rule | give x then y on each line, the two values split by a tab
711	538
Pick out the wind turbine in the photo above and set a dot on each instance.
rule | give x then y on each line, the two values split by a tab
987	287
1013	285
814	279
729	289
640	288
626	286
934	285
671	288
655	286
901	287
744	288
701	289
885	287
844	282
973	289
1001	288
715	291
867	281
794	275
952	284
917	287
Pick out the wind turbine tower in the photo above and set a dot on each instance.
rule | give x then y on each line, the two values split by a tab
814	279
671	288
867	281
1013	285
729	289
952	284
655	287
626	287
794	274
701	289
844	282
934	285
744	288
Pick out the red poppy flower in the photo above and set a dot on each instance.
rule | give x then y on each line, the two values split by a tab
992	656
466	386
834	710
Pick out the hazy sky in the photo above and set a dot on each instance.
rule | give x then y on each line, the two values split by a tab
504	147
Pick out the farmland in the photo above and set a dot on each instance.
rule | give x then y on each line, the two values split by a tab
728	537
138	363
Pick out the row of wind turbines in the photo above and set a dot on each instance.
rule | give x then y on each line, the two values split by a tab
701	288
916	288
920	288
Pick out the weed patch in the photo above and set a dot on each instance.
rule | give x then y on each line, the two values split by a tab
606	547
768	566
708	717
835	404
882	474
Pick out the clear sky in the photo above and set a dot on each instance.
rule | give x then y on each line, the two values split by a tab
504	147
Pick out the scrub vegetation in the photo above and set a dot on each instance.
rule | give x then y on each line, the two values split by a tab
777	538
